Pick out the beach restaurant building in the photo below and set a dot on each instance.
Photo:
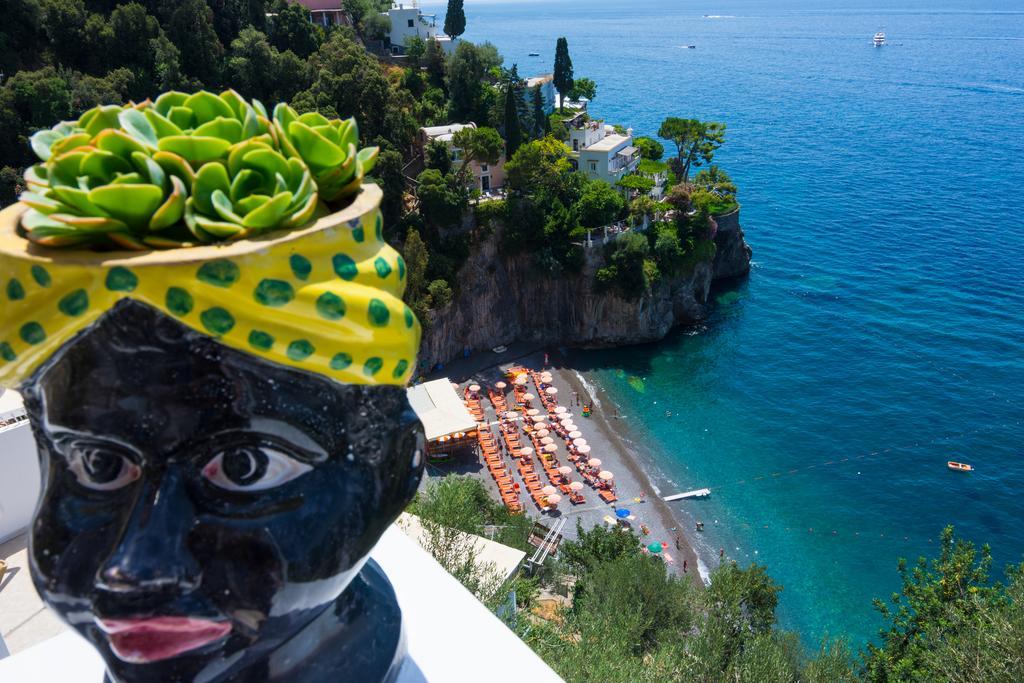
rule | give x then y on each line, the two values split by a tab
449	427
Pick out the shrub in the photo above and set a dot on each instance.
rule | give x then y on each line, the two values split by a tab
440	293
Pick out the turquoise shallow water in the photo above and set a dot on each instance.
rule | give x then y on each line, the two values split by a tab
882	193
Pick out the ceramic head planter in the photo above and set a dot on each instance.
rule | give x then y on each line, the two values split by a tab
223	429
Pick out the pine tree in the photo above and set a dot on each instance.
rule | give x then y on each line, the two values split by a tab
563	70
454	19
541	122
513	126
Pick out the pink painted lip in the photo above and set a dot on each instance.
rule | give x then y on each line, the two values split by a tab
140	641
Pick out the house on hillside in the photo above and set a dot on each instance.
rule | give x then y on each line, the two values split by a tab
599	152
407	21
547	91
484	177
326	12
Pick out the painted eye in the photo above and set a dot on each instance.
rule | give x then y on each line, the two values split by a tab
252	468
102	470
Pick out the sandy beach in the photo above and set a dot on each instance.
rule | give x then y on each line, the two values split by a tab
604	434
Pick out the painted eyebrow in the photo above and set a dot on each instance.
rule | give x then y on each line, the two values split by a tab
62	437
309	451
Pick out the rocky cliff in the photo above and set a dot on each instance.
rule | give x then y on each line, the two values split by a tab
503	299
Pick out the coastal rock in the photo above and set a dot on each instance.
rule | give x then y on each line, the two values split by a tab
732	253
505	298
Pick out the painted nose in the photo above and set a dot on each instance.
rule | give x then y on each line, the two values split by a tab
152	553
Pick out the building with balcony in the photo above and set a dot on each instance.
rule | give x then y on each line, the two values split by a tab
599	152
407	22
485	177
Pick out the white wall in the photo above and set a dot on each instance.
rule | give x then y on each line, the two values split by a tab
19	479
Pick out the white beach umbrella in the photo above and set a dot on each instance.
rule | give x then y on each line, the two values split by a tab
576	485
605	475
549	490
560	409
575	435
538	418
532	411
584	450
594	462
550	448
500	385
546	440
579	442
528	396
526	450
565	469
569	426
474	388
551	391
554	499
542	432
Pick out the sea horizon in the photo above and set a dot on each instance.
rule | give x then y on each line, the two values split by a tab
877	335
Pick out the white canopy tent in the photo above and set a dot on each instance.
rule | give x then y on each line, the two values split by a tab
440	409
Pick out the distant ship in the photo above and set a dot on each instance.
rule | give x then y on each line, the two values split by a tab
535	54
879	39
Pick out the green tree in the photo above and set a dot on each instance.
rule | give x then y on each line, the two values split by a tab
415	50
636	184
434	60
417	258
440	293
438	154
467	69
597	545
454	19
167	74
599	205
292	29
649	147
133	30
539	167
482	145
696	141
541	123
376	26
30	100
563	70
191	25
583	88
20	35
250	65
442	199
388	174
512	125
942	604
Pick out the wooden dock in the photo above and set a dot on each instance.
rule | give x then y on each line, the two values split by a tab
697	493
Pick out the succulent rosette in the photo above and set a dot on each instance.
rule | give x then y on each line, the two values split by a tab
328	147
186	169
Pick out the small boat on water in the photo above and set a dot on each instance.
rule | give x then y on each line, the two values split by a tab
879	39
535	54
959	466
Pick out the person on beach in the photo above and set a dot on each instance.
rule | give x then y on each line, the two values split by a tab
684	564
677	541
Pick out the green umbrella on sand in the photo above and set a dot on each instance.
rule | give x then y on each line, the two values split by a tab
654	547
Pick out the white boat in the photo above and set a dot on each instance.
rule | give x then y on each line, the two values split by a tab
879	39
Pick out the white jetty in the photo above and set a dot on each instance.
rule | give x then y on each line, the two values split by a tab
698	493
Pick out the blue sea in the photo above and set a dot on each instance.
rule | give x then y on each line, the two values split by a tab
881	331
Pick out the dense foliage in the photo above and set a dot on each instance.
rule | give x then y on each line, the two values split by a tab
629	619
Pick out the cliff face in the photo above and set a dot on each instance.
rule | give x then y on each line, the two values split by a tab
503	299
732	253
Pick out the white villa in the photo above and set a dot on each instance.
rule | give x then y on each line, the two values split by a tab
486	177
407	21
599	152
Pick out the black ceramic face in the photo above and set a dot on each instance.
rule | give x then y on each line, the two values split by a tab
202	506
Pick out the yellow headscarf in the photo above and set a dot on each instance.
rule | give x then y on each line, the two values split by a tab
326	299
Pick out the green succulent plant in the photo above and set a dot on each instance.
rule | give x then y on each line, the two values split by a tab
186	169
103	190
328	147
